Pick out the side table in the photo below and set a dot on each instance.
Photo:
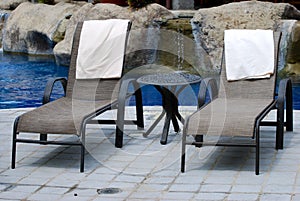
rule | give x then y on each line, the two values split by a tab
169	85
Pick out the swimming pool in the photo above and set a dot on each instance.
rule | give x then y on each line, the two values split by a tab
23	79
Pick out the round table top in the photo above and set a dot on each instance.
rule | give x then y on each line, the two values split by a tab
169	79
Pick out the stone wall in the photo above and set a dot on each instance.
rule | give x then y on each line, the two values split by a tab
211	22
48	29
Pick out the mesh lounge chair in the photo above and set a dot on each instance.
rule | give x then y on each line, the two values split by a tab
237	110
80	105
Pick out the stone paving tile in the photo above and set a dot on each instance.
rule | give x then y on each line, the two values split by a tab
44	197
145	170
184	188
246	188
242	196
168	195
275	197
26	188
278	188
7	195
219	188
296	197
210	196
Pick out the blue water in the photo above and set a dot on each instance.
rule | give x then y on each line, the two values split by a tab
296	96
23	79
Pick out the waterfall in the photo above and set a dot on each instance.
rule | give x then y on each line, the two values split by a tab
286	30
203	61
3	16
180	48
152	41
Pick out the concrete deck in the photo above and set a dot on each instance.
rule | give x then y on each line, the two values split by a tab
145	170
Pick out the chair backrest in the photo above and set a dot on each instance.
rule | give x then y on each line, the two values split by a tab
254	88
90	89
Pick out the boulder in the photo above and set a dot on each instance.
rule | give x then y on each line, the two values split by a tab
293	53
36	28
211	22
6	6
140	18
10	4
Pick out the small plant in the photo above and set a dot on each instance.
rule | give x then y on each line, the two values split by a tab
51	2
139	3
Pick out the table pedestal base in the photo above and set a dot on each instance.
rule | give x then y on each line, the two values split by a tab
170	110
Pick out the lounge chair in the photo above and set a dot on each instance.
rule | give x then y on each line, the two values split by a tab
236	110
84	100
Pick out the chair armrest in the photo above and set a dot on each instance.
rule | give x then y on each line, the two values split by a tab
123	95
207	85
123	92
50	85
285	96
285	93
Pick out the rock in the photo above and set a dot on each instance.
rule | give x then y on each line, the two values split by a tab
293	53
140	18
211	22
36	28
10	4
294	49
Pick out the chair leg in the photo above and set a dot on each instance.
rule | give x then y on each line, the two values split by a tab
280	127
183	152
43	138
120	124
139	109
14	144
82	146
82	158
257	151
120	116
119	138
289	107
198	138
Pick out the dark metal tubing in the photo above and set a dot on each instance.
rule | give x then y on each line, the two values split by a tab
49	88
207	84
289	106
257	152
14	143
210	85
47	94
139	107
284	97
48	142
82	150
108	121
123	95
221	144
86	120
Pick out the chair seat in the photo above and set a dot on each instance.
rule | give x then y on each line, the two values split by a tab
60	116
227	117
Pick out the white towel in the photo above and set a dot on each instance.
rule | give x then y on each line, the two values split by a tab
101	49
249	54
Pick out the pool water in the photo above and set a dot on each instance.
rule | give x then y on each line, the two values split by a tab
23	79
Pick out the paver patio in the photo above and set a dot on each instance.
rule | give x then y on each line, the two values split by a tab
145	169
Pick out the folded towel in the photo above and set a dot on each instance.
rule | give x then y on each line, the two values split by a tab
101	49
249	54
